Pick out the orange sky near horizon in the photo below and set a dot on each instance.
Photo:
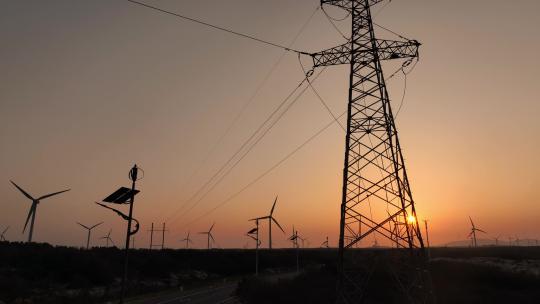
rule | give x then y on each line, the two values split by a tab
90	88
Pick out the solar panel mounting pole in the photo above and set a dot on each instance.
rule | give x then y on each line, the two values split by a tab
133	176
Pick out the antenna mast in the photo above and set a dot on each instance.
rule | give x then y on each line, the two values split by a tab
376	192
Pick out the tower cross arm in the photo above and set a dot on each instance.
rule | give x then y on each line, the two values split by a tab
386	50
391	49
346	4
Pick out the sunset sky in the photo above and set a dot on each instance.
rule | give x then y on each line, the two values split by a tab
88	88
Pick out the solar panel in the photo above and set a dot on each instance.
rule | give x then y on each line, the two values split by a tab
120	196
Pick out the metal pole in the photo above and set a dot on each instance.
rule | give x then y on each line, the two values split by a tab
270	232
257	250
88	239
427	239
163	237
133	176
151	236
32	223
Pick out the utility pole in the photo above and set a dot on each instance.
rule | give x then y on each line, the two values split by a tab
374	174
162	230
151	236
427	239
133	175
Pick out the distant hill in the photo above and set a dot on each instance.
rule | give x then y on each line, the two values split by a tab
491	242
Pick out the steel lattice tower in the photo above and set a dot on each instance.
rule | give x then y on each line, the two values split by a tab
376	196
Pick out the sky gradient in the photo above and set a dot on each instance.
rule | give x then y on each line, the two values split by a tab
88	88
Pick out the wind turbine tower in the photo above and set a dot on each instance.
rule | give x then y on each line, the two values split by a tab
2	236
33	208
209	236
325	244
89	232
270	219
187	240
107	238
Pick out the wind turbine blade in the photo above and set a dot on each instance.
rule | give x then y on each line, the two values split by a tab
109	234
481	230
212	237
471	221
5	230
273	206
23	192
470	233
83	225
96	225
52	194
32	210
273	219
211	227
258	218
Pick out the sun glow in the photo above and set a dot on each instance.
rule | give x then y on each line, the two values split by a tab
411	219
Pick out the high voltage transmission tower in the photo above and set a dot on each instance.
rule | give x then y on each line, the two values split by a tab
376	194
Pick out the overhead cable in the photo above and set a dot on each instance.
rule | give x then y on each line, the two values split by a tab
244	107
272	168
280	162
215	26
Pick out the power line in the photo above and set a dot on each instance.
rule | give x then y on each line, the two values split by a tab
331	20
319	96
272	168
290	154
246	105
390	31
215	26
253	144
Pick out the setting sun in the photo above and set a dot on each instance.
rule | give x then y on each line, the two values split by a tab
411	219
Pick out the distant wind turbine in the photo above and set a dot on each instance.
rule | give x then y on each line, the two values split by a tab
209	235
107	238
33	208
187	240
497	240
2	236
325	244
473	232
270	220
89	232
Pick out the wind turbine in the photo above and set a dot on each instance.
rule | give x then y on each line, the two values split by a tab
270	219
325	244
187	240
33	208
209	234
294	239
89	232
497	240
473	232
107	238
2	238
